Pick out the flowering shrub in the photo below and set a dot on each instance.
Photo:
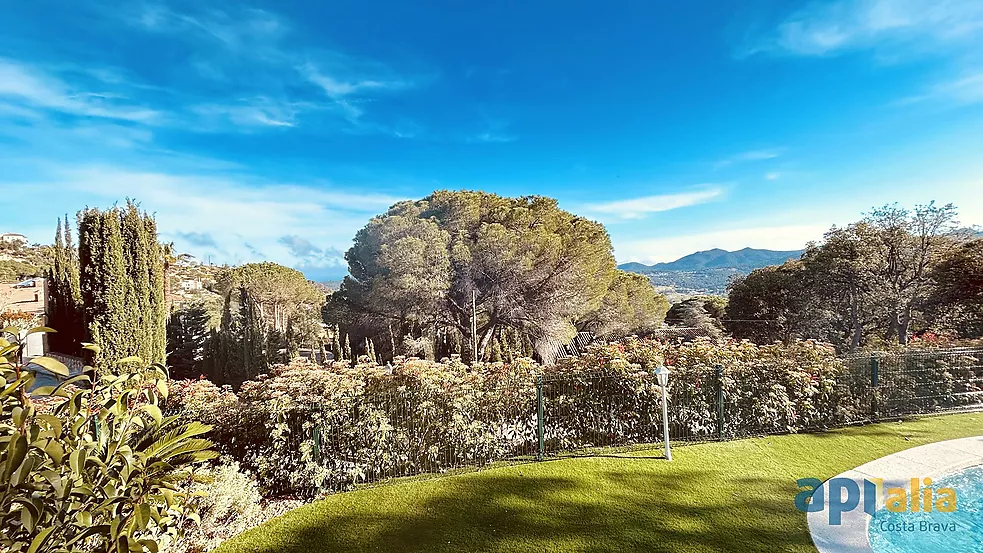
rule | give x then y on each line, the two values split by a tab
228	501
766	389
308	428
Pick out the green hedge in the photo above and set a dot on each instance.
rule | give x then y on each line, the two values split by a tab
309	428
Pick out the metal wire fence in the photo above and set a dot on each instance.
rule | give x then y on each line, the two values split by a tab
893	384
406	431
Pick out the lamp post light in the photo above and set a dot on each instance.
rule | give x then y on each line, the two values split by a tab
662	376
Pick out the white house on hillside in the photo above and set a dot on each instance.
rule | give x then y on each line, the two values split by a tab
13	238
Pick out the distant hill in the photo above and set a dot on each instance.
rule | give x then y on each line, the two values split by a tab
707	272
747	259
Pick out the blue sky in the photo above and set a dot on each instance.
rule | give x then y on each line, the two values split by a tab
275	130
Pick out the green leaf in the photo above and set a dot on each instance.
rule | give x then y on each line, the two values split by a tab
79	378
40	539
16	451
142	516
28	516
154	412
38	329
52	421
89	346
53	365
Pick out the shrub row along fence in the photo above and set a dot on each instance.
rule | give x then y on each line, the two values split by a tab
894	384
367	424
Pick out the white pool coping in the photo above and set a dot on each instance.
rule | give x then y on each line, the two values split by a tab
927	461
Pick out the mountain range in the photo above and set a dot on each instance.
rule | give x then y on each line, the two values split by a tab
709	271
747	259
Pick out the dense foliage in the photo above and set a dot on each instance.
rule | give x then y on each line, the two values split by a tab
631	306
19	261
15	271
65	294
111	290
958	299
881	279
98	469
270	312
421	269
187	339
305	428
702	312
122	282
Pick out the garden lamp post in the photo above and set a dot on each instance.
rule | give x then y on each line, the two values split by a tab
662	376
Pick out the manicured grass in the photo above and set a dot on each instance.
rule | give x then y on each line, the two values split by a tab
729	497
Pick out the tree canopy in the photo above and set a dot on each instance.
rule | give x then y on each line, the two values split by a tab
279	292
121	282
526	264
877	279
630	306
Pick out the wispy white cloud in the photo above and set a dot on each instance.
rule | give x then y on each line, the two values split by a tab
335	86
749	156
492	138
259	53
245	31
964	89
670	248
829	28
233	218
24	87
639	208
252	112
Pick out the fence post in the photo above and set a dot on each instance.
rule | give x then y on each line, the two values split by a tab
539	432
875	381
317	433
720	402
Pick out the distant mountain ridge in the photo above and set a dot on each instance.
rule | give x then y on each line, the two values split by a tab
707	272
746	259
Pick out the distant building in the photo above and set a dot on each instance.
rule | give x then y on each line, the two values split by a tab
26	305
191	285
13	238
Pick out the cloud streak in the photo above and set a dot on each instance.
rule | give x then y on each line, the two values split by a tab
962	90
639	208
748	156
895	26
24	88
233	218
260	52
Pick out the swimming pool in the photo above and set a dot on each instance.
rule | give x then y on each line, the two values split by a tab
935	532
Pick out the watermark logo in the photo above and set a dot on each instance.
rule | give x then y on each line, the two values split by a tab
845	495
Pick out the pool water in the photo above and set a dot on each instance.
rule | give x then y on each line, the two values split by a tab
935	532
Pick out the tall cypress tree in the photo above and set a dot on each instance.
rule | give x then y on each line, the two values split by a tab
121	285
64	297
187	336
336	344
254	360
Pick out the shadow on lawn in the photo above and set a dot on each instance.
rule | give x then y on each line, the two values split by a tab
617	511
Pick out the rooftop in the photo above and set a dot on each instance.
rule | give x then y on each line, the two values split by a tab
23	299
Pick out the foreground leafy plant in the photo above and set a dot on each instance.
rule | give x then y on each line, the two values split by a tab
92	468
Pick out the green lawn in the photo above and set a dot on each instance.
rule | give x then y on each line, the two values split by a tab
734	497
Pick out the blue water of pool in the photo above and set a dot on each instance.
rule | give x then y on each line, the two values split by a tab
935	532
